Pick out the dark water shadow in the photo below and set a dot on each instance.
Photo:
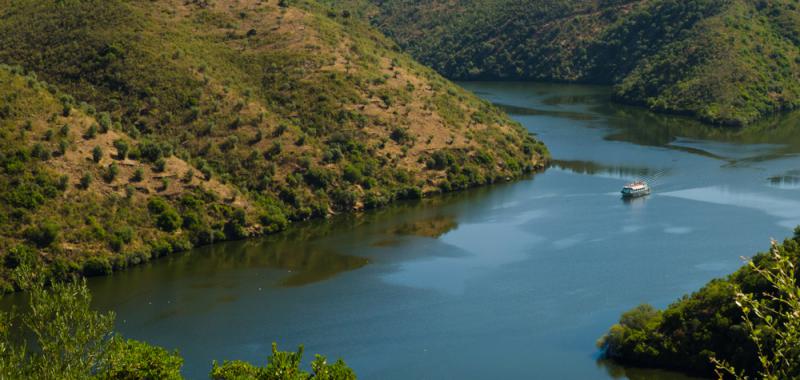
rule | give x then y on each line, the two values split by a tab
771	138
527	111
594	168
617	371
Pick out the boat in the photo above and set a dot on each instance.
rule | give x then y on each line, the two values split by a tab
635	189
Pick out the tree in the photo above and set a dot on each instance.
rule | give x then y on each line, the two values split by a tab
772	320
91	132
43	235
138	175
160	165
111	172
122	148
283	365
97	154
169	220
72	341
86	180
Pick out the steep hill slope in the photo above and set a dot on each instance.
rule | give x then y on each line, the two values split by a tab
723	61
269	112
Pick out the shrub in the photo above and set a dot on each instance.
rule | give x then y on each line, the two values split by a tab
97	154
86	181
352	174
43	235
274	220
168	221
96	266
111	172
91	132
160	165
63	182
105	121
20	255
283	365
122	148
400	135
157	205
130	360
138	175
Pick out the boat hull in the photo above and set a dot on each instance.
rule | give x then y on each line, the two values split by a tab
635	194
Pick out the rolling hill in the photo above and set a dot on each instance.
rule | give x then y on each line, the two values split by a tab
133	129
722	61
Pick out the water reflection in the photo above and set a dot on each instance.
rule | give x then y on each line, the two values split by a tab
613	171
526	111
616	371
768	139
431	227
789	180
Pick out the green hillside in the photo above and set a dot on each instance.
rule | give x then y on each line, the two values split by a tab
723	61
705	324
132	129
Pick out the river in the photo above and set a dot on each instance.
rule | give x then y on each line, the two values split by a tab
515	280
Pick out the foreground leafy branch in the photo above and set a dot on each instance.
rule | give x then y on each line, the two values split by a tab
772	320
60	337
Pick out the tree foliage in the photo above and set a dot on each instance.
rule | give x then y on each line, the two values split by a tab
773	321
283	365
723	61
745	321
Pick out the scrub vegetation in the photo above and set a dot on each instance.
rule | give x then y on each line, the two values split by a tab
131	130
722	61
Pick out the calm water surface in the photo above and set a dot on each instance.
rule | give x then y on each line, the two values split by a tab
511	281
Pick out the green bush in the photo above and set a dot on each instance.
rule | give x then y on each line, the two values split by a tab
111	172
283	365
138	175
44	234
159	165
96	266
157	205
86	181
273	221
97	154
133	360
236	370
168	221
91	132
122	148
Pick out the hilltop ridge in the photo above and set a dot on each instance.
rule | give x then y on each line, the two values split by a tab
722	61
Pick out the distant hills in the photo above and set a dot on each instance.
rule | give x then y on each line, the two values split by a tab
722	61
133	129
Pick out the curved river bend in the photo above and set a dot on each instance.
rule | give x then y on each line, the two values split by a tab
510	281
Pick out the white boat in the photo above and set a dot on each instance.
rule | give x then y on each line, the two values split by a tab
635	189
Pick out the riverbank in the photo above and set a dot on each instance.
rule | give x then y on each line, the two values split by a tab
433	287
